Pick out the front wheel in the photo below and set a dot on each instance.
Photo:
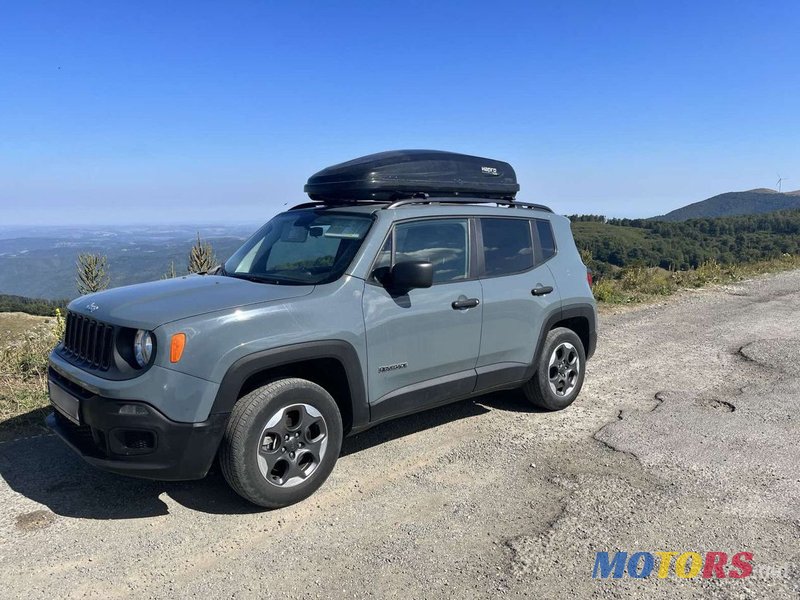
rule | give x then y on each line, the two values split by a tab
281	442
559	374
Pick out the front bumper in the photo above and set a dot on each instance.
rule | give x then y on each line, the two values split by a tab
134	438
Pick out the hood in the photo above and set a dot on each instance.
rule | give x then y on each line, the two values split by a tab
148	305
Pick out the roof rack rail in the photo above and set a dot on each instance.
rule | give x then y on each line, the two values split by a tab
331	204
509	203
307	205
421	200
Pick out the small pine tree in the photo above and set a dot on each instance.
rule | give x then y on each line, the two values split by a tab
201	257
92	273
171	274
60	325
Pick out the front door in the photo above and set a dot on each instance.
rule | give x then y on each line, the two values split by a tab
422	346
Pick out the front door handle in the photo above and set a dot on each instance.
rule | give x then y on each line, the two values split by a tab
542	290
464	304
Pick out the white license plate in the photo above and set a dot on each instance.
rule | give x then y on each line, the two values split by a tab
67	404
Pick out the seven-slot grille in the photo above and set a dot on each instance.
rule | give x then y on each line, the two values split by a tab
89	341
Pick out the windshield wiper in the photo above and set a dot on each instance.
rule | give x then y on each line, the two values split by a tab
256	278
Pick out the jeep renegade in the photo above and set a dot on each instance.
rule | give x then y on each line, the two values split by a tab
412	279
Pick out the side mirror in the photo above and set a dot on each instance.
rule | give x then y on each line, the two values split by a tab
411	274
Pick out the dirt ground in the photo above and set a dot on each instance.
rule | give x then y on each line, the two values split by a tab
686	437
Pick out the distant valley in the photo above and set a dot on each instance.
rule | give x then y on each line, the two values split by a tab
39	262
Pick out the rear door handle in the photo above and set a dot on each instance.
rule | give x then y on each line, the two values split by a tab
464	304
542	290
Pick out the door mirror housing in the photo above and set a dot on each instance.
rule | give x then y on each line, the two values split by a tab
411	274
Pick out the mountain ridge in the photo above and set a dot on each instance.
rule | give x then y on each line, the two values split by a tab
731	204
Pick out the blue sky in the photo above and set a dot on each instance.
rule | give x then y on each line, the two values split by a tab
114	112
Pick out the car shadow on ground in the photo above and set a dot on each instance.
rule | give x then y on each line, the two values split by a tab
43	469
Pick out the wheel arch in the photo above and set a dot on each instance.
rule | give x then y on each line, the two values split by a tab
332	364
580	318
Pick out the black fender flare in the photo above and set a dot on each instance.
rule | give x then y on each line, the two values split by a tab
252	364
571	311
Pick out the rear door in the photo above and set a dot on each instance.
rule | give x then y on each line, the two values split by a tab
519	291
422	346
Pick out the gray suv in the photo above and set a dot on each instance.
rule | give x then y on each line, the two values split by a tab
411	280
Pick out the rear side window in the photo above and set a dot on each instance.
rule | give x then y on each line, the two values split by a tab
546	239
507	246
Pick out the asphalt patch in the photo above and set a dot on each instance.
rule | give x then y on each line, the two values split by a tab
37	519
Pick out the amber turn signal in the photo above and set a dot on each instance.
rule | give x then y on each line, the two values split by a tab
176	347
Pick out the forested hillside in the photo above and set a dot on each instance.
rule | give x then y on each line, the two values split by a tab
681	245
32	306
730	204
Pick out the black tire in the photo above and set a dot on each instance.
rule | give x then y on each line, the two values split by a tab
539	390
246	454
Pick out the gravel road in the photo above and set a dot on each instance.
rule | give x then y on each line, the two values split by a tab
686	437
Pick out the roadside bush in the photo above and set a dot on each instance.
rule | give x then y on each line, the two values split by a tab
609	291
651	281
709	272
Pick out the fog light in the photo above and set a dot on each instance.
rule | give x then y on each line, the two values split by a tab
139	440
132	409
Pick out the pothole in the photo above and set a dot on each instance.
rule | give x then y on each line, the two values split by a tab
38	519
719	405
775	354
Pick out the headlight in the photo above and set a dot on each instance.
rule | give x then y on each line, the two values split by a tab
143	347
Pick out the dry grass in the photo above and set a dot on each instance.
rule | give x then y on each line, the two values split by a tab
15	325
23	371
641	284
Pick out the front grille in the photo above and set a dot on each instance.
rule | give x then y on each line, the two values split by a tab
89	341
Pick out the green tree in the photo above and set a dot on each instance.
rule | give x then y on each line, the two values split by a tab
92	273
201	257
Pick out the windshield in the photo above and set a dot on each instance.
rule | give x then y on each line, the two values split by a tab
300	248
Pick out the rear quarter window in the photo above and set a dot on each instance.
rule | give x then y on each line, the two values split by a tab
546	239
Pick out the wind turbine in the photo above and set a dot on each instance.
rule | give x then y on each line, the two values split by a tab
780	181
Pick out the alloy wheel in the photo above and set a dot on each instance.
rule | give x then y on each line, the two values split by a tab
292	445
563	369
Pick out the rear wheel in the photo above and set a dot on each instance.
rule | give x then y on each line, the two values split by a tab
559	375
281	442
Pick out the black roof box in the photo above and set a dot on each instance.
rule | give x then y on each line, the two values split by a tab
399	174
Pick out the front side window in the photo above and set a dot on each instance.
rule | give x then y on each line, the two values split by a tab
300	248
507	246
443	242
